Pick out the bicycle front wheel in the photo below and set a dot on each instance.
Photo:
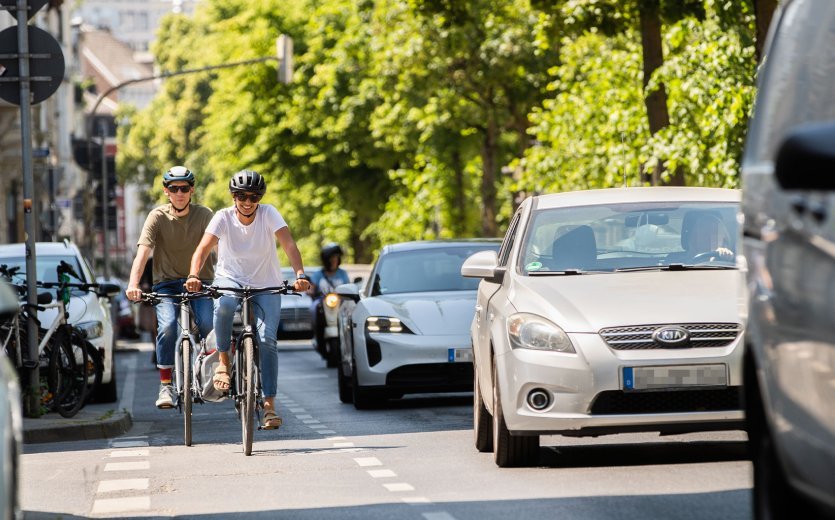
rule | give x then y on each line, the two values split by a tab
68	375
248	401
187	397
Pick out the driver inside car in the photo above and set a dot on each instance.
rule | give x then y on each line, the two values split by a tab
704	238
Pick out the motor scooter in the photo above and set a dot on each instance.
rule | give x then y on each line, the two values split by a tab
326	331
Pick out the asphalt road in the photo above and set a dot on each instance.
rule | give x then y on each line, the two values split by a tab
413	459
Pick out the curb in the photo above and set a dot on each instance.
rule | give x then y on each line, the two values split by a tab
61	430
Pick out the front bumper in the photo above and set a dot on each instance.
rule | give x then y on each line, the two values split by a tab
415	363
586	390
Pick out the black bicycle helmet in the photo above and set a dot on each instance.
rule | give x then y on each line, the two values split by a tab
178	173
248	180
328	251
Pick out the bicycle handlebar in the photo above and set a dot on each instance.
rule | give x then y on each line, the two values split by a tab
154	298
248	292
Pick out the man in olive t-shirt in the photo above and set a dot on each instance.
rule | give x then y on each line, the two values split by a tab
172	232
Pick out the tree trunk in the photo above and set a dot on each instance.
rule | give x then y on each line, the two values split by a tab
763	12
459	208
655	101
489	161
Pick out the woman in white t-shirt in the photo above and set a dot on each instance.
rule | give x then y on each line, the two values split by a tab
245	235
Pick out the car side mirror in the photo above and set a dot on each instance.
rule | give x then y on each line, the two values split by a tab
108	290
484	264
806	158
358	280
349	291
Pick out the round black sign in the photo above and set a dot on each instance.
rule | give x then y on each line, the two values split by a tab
40	42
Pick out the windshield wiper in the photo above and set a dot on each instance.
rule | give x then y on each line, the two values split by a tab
564	272
676	267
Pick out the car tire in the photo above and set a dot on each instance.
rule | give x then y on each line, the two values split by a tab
107	392
364	398
773	496
482	422
332	352
510	451
345	393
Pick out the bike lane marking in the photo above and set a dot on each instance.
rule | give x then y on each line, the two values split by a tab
131	448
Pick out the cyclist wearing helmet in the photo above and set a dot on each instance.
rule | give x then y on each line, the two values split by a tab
245	235
172	232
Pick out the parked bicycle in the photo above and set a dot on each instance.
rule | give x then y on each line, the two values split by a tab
246	370
186	390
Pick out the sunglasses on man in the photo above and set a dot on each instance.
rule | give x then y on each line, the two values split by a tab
179	189
243	197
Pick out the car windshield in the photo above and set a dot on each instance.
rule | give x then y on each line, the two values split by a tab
425	270
630	236
46	266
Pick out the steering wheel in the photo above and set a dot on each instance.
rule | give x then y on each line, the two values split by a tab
708	256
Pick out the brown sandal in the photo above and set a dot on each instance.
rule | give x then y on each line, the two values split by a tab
221	379
271	420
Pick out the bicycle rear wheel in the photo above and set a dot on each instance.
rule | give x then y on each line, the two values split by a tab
187	397
248	401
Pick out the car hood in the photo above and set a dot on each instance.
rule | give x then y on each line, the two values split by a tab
82	307
430	314
588	303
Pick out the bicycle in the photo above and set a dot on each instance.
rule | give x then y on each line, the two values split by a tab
246	370
73	365
183	359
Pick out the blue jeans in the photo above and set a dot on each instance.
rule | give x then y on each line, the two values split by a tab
266	309
168	315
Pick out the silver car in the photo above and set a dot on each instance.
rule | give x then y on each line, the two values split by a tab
608	311
11	421
789	228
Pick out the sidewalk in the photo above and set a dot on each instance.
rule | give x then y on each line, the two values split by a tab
94	421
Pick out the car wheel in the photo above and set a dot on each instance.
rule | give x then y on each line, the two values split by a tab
508	450
482	427
773	497
107	392
332	348
364	399
345	393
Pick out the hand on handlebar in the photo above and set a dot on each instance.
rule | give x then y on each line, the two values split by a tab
193	284
134	294
301	285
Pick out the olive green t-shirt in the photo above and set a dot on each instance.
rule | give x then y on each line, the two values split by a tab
174	240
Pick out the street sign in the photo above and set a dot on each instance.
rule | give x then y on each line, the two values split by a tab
46	66
34	6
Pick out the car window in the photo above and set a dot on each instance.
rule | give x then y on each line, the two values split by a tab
610	237
47	267
425	270
509	240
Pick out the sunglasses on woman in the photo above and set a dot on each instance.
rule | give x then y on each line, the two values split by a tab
179	189
243	197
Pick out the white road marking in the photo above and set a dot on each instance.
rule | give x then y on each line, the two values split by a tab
368	461
297	410
381	473
129	386
121	505
129	453
399	486
326	432
304	416
127	466
129	444
311	421
440	515
343	444
339	438
416	500
108	486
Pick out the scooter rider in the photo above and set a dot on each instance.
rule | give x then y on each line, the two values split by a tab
323	282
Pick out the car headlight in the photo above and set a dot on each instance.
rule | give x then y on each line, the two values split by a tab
90	329
536	333
331	300
384	324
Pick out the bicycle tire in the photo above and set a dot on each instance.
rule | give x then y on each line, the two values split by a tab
95	367
71	383
187	397
248	404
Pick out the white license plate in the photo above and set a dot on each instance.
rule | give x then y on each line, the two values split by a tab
296	325
682	376
460	355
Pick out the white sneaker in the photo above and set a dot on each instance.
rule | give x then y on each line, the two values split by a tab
166	396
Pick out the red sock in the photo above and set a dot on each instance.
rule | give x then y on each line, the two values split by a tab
165	376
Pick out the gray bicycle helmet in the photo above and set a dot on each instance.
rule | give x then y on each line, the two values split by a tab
248	180
177	173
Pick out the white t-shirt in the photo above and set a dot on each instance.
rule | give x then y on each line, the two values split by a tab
246	254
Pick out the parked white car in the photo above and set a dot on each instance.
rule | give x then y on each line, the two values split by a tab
11	419
608	311
407	330
88	311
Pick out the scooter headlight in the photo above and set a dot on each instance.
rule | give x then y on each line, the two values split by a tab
331	300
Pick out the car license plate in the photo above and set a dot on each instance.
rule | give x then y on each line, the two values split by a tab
296	325
682	376
460	355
